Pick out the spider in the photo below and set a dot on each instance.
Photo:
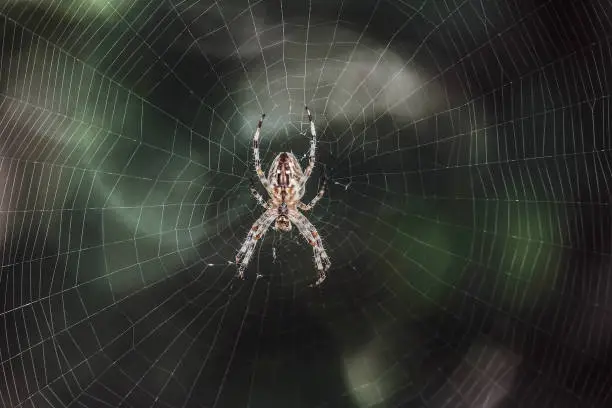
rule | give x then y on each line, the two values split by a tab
286	185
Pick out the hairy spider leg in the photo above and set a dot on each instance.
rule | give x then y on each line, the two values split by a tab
315	200
309	232
258	197
258	169
256	232
311	153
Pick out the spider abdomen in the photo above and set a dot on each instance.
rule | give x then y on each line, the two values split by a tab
285	175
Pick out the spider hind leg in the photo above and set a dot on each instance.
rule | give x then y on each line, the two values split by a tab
256	232
310	233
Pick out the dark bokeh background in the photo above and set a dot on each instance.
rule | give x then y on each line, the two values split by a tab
468	215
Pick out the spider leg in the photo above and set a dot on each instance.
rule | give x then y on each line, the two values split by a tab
306	207
256	232
257	196
311	152
309	232
258	170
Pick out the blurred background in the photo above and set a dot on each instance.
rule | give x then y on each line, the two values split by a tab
467	145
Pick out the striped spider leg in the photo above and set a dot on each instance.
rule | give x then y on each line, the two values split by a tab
258	170
311	152
256	232
260	200
310	233
315	200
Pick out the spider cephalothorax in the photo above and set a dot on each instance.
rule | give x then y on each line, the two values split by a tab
285	183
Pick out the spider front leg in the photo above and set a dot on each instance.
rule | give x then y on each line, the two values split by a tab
256	232
306	207
257	196
313	146
258	170
309	232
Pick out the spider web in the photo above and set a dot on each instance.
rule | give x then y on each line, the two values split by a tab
467	147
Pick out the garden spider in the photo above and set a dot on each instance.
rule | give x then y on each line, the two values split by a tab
286	185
